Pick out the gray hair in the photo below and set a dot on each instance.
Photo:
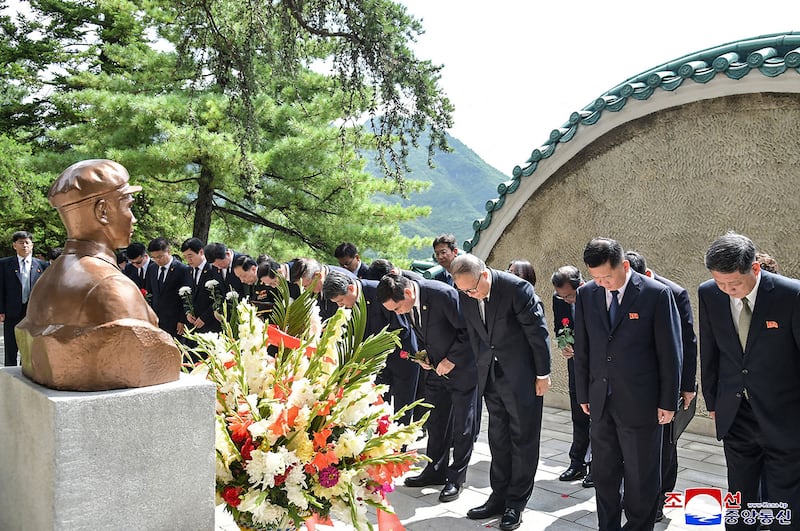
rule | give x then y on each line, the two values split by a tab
336	284
467	264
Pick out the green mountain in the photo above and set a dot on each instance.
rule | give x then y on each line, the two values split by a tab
462	182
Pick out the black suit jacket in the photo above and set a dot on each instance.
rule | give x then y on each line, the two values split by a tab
165	300
688	337
563	310
231	281
379	317
202	300
769	367
444	334
11	285
132	272
639	356
515	336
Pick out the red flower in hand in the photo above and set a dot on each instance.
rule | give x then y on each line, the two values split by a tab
404	354
143	292
565	321
231	495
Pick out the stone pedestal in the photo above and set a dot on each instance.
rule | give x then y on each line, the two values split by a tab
130	459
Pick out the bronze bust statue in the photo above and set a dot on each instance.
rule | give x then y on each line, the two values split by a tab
88	327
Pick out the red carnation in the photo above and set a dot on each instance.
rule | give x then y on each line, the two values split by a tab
143	292
404	354
565	321
231	495
383	424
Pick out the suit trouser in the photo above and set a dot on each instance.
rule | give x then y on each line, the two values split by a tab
629	452
750	457
450	424
515	427
669	464
10	340
580	451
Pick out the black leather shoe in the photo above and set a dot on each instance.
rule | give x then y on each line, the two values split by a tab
573	473
450	492
511	519
587	482
487	510
423	480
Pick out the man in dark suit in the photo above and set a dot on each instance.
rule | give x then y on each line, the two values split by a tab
434	313
163	282
310	274
346	254
18	274
445	250
139	264
669	448
202	319
566	281
222	258
750	369
627	372
508	333
345	291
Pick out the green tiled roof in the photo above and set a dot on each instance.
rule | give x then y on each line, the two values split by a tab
770	55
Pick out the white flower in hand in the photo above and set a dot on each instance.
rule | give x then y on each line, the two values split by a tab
211	284
184	291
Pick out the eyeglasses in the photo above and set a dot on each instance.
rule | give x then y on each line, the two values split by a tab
567	298
470	291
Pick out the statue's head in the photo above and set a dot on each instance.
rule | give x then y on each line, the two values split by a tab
94	200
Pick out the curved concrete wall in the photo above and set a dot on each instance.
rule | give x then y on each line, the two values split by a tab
666	185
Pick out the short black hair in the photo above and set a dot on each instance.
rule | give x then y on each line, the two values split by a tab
135	250
267	267
603	250
378	268
215	251
637	261
245	262
568	274
448	239
21	235
731	253
158	244
194	244
391	286
345	249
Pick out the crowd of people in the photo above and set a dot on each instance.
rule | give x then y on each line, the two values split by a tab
475	336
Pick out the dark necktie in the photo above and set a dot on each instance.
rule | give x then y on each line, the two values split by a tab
196	275
744	322
613	308
161	275
141	272
417	323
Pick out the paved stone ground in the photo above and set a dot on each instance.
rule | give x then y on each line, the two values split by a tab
555	505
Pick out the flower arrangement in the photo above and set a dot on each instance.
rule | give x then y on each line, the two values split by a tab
301	429
564	336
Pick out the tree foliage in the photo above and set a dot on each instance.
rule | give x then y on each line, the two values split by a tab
240	119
